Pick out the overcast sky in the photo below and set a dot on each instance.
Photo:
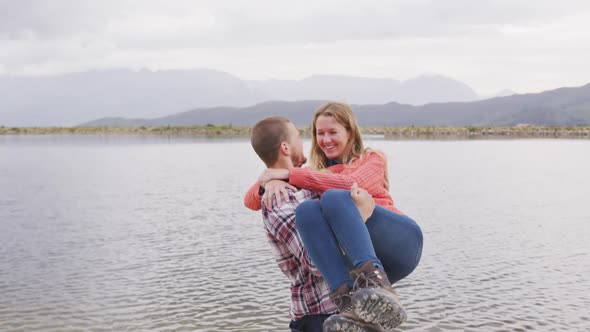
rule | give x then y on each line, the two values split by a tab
523	45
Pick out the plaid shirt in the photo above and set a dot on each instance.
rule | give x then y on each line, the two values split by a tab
309	290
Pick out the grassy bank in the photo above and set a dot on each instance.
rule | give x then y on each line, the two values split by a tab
212	131
483	132
190	131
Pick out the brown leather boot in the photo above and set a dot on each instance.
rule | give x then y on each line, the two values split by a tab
374	300
342	298
346	320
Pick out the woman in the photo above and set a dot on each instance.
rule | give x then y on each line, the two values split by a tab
382	248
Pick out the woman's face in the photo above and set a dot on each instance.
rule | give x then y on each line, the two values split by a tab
331	136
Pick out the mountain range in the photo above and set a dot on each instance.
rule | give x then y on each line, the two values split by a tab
198	97
564	106
70	99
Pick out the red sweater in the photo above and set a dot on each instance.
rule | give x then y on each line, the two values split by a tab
368	172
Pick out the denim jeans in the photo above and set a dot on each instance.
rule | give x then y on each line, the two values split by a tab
333	224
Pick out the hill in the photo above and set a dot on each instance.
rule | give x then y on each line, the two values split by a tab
564	106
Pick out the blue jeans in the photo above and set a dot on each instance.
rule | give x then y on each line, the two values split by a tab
333	224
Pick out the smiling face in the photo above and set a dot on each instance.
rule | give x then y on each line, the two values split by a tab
335	135
332	137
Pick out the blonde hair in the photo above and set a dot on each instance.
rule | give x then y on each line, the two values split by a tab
354	149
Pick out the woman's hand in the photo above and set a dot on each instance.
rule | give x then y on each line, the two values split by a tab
276	189
273	174
363	200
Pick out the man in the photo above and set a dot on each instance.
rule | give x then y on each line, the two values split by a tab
277	142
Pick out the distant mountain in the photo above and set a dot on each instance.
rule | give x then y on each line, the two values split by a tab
73	98
501	93
69	99
504	93
358	90
564	106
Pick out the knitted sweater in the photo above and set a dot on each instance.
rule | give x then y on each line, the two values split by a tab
368	172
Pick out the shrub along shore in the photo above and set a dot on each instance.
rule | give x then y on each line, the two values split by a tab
213	131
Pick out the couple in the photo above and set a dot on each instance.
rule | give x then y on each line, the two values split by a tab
347	244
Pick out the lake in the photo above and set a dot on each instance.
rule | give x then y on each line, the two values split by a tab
124	233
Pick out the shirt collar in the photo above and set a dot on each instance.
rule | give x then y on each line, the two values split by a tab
332	162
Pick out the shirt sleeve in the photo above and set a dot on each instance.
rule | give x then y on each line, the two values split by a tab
252	199
370	175
282	221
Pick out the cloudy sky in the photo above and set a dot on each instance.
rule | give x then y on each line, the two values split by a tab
523	45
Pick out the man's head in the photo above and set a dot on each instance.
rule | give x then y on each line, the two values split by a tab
277	142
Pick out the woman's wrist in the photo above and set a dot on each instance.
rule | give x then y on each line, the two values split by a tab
281	174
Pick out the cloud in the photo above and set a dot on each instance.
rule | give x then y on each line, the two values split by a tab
476	41
28	19
235	23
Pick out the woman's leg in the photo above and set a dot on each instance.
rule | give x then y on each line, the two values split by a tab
346	222
374	300
321	245
324	252
397	240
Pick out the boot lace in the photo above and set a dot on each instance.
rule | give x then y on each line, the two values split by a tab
366	280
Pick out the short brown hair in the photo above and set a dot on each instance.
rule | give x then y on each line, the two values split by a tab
267	136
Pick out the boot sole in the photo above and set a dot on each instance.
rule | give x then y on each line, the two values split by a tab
338	323
376	306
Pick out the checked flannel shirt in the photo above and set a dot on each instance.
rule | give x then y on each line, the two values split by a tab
309	290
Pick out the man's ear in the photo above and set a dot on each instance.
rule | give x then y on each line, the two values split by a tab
285	148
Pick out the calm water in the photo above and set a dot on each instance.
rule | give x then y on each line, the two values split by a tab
139	234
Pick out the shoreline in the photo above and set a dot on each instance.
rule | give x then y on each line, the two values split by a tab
211	131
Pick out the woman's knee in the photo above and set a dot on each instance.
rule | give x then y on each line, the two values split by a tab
399	272
420	245
338	206
418	240
332	197
402	268
306	213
